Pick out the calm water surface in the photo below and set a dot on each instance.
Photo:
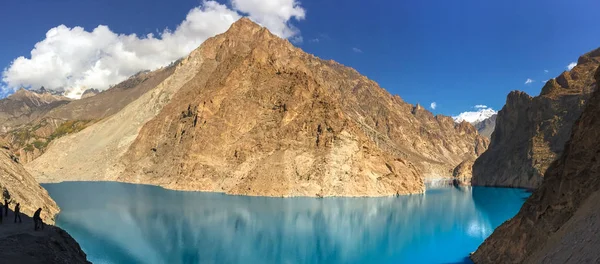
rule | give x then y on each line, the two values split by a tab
126	223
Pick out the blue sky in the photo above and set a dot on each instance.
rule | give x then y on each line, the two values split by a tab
458	53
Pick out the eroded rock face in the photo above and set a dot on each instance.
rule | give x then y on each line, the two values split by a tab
560	222
531	132
463	172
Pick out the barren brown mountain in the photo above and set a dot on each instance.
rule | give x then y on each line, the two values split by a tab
249	113
531	132
560	222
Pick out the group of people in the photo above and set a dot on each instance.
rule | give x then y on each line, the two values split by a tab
37	220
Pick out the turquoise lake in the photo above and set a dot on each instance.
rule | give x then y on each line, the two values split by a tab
127	223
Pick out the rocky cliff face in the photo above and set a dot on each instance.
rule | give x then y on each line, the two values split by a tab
249	113
463	172
89	93
531	132
18	242
560	222
486	127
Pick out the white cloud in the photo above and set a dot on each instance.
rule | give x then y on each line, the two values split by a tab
528	81
546	71
315	40
433	105
273	14
571	65
75	59
483	112
357	50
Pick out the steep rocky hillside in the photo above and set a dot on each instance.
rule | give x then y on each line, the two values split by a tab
18	242
249	113
560	222
18	185
531	132
486	127
31	139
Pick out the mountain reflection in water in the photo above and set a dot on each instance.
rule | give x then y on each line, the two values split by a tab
127	223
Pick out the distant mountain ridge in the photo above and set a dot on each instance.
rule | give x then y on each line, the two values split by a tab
24	106
46	120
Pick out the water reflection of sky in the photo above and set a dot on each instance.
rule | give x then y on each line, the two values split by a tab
124	223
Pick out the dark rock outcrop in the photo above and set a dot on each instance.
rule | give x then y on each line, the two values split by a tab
19	243
51	245
463	172
89	93
531	132
486	127
560	222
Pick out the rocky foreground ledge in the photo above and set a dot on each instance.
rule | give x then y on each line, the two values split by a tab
19	242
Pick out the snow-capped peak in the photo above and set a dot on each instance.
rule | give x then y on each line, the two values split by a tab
475	117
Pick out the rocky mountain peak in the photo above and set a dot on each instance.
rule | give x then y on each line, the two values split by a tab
590	56
475	117
37	97
244	26
89	93
575	81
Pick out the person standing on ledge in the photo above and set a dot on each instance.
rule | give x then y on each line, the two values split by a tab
18	212
37	221
6	203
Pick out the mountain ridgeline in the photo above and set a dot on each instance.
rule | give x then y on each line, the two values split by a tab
26	106
531	132
559	223
249	113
